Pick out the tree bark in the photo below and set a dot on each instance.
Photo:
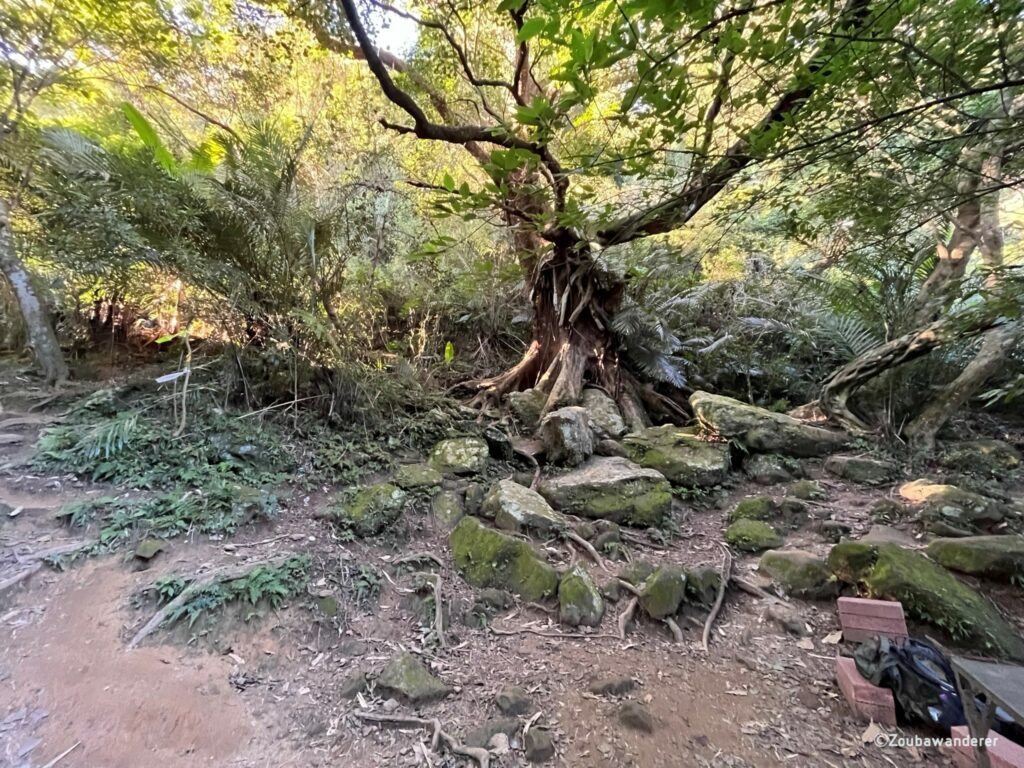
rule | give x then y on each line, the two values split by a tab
997	342
41	337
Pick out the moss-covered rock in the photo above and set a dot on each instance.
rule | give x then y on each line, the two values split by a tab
447	508
989	458
517	508
579	601
1000	558
527	407
489	558
807	490
754	508
637	572
662	592
371	509
947	507
888	511
405	677
679	455
460	456
861	469
771	469
611	488
702	585
928	592
567	436
800	574
412	476
760	430
752	536
605	418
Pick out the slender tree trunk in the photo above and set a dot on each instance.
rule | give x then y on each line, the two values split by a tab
41	337
997	342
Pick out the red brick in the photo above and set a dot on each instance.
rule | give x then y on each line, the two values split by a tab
868	701
1002	754
861	619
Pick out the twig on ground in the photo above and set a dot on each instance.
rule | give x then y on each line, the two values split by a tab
677	633
19	577
753	589
481	756
557	635
227	573
588	548
632	538
626	616
723	582
63	754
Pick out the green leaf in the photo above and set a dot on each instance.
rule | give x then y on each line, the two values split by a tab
449	353
448	182
145	131
530	28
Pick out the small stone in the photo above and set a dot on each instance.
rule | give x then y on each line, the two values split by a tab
412	476
481	735
513	700
605	418
390	705
861	469
608	447
517	508
567	436
579	600
662	592
789	620
328	605
527	407
371	509
752	536
407	677
702	585
447	508
499	443
460	456
352	685
770	468
800	574
612	686
808	490
539	745
634	715
754	508
149	548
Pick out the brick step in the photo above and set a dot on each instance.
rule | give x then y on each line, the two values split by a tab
868	701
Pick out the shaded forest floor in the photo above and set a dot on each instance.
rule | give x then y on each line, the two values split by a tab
261	687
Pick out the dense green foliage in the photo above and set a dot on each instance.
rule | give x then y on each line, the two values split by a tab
760	187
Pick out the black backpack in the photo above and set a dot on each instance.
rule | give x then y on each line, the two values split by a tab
920	677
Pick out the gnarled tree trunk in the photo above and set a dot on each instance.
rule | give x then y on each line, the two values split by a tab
41	337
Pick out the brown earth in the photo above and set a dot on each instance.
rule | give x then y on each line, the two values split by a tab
262	691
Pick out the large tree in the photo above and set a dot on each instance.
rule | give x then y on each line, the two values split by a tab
565	106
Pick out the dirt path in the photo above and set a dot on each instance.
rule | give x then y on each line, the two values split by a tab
760	698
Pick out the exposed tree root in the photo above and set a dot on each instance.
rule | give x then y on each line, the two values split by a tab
481	756
417	557
435	581
626	616
557	635
588	548
677	633
226	573
722	584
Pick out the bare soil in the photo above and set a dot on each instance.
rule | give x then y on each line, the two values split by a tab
262	691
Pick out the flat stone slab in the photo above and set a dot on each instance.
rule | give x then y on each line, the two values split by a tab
682	457
515	507
611	488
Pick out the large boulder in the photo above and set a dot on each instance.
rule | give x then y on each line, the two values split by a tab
760	430
605	417
929	593
800	574
991	458
371	509
861	469
680	456
1000	558
579	600
947	508
515	507
460	456
752	536
611	488
567	436
489	558
406	677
